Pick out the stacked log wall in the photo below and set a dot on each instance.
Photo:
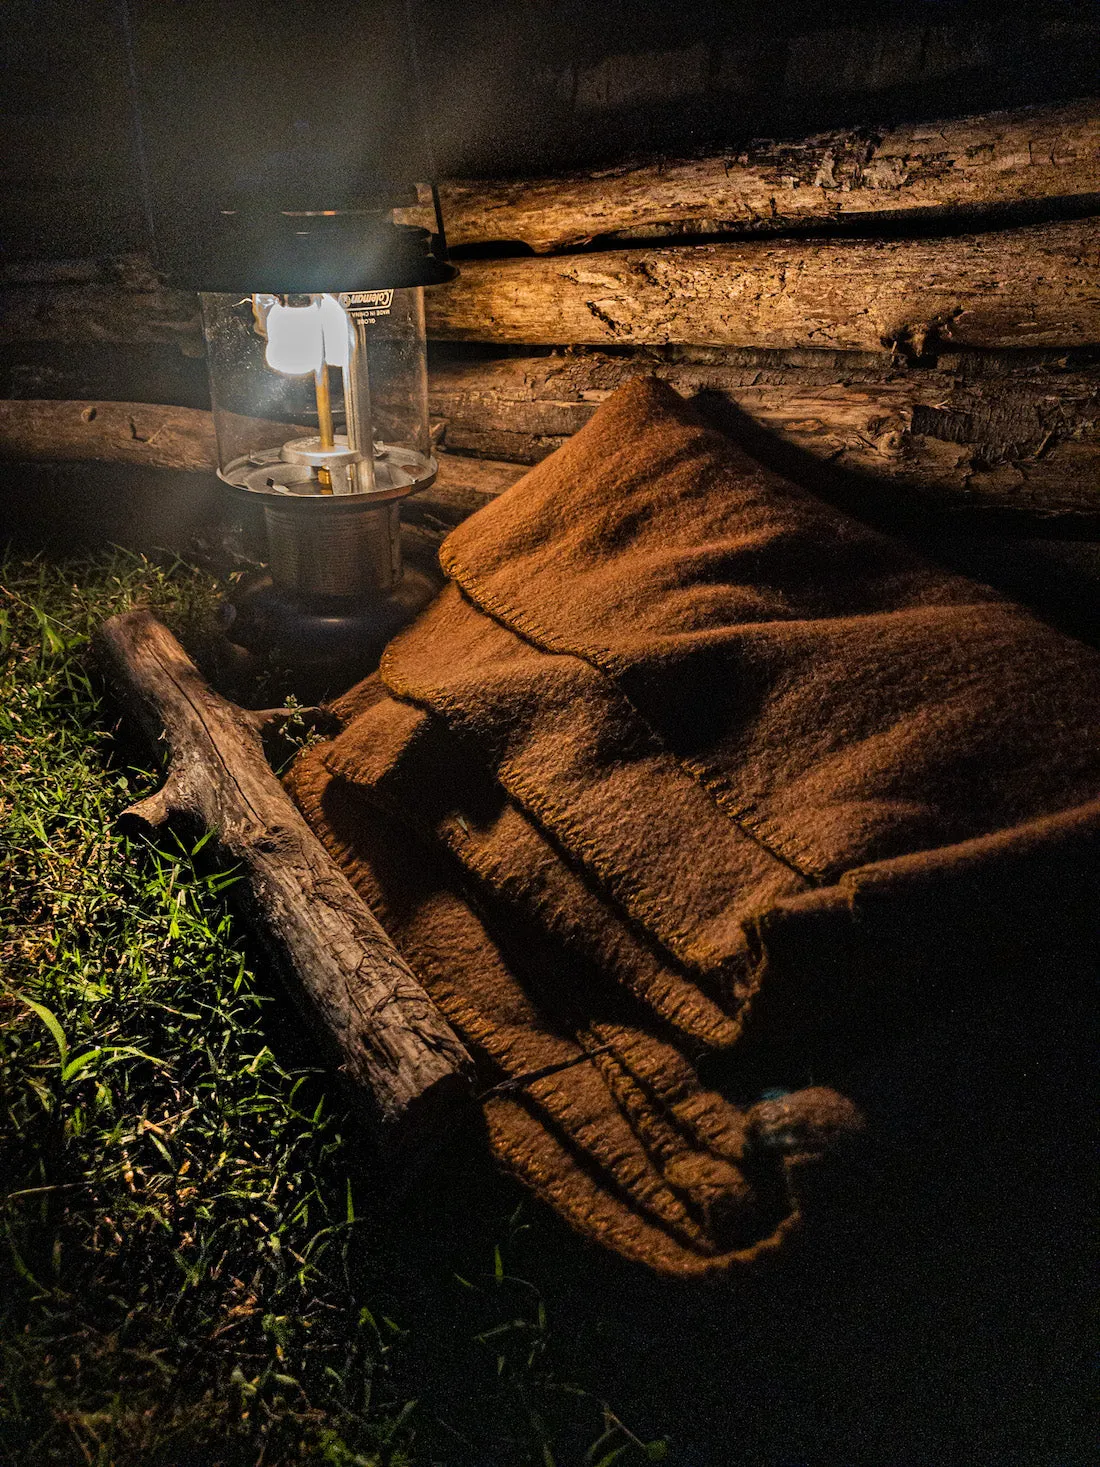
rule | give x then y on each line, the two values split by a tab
914	310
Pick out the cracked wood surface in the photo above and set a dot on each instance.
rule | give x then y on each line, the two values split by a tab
1032	286
927	169
372	1016
1036	286
1026	440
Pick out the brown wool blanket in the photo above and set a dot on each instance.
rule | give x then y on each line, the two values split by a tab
689	789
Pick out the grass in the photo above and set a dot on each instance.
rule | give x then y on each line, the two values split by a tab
198	1265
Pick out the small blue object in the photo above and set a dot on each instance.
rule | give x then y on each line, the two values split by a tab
774	1092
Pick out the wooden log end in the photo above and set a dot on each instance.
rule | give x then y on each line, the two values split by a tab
144	817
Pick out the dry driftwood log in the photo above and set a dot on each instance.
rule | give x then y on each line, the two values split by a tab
1025	438
1028	287
929	169
1033	286
370	1013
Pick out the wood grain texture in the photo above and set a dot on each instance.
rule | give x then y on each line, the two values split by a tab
1027	439
371	1014
1034	286
150	435
936	168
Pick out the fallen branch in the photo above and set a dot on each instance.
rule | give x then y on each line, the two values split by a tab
369	1011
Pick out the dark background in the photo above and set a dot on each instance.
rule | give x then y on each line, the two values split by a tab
113	113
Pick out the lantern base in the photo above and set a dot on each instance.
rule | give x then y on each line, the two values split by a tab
325	643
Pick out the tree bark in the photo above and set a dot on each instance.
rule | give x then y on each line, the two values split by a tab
1026	439
151	435
925	170
1030	287
1008	288
1033	286
373	1017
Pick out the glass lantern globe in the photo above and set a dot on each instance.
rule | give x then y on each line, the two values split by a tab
320	406
314	327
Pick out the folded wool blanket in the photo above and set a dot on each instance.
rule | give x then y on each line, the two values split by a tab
690	790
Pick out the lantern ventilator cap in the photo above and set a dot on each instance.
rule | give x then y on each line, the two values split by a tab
308	252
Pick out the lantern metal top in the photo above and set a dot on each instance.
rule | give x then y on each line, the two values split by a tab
308	252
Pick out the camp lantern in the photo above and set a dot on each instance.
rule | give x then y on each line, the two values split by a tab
279	181
322	397
319	396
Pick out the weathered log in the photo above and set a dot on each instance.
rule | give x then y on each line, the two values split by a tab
476	479
102	312
1035	286
102	372
151	435
930	169
371	1014
1027	440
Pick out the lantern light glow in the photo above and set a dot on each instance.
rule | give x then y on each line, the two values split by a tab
318	384
300	339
